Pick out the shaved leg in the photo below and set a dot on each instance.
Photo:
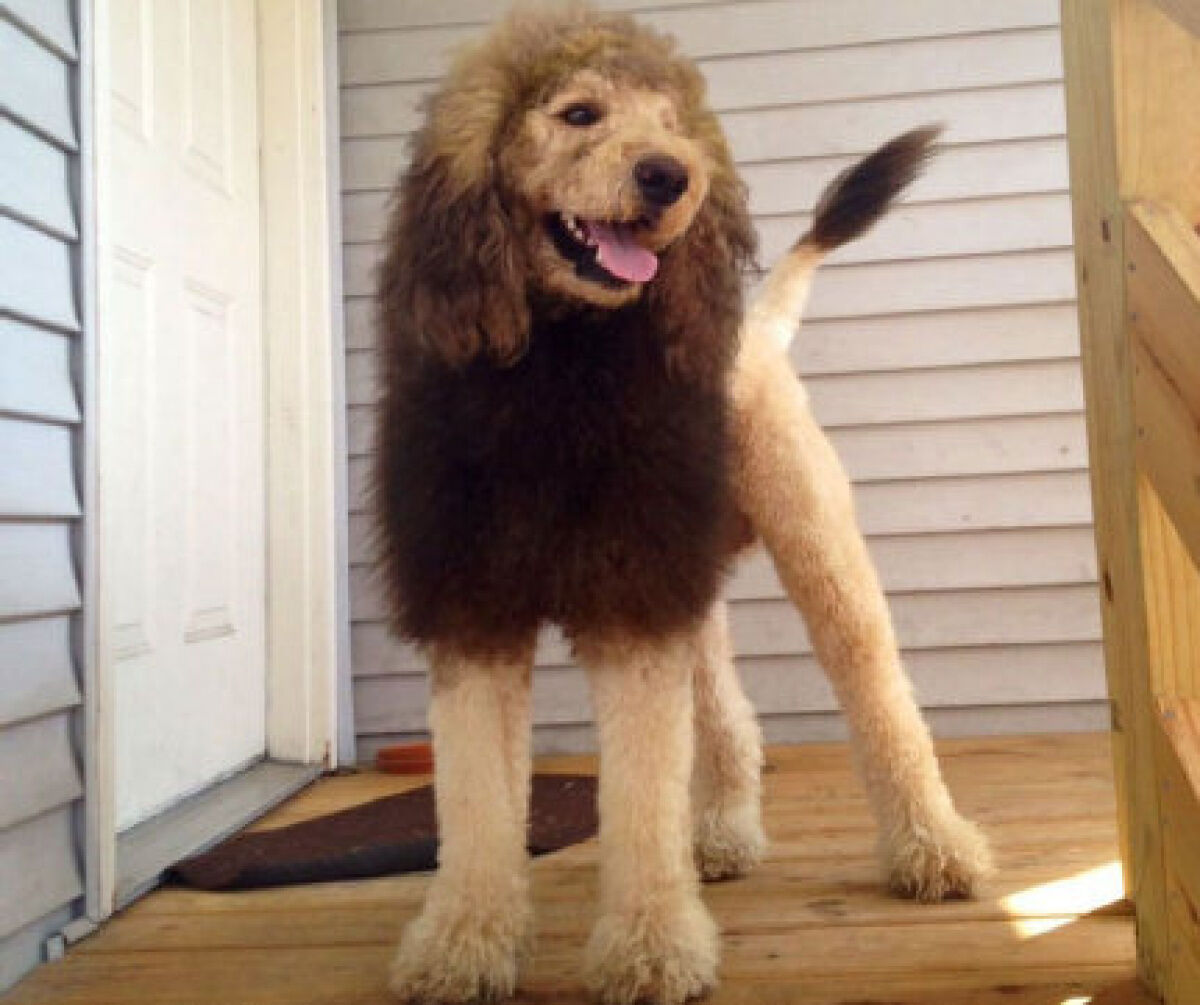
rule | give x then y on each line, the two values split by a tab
792	487
726	785
476	924
654	940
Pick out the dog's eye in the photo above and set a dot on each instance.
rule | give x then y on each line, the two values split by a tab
580	114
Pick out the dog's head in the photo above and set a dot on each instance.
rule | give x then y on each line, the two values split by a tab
568	157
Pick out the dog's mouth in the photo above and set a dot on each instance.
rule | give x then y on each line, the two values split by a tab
603	251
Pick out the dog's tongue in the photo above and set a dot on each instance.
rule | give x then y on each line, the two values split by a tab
620	254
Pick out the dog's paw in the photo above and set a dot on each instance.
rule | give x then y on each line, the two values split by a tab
663	954
938	862
462	953
729	842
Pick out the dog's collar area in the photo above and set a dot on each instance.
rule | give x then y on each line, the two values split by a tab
578	242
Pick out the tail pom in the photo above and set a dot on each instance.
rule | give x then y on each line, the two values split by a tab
863	193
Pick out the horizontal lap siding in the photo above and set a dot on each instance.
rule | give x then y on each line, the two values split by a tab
941	351
40	773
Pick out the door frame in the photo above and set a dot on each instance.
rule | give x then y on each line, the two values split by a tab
309	707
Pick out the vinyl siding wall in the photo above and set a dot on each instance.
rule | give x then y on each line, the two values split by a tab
40	778
940	351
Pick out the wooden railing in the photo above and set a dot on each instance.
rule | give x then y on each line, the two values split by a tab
1133	113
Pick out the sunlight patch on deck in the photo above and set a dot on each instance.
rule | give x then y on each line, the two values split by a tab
1048	906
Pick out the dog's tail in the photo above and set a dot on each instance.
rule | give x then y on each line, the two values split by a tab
847	209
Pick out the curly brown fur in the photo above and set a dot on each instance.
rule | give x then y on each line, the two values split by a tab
857	199
552	448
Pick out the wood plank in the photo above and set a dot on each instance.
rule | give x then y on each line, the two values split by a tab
1032	939
1168	445
39	473
355	975
1158	107
1184	12
1093	52
1164	305
36	379
37	760
1179	760
1172	588
1163	264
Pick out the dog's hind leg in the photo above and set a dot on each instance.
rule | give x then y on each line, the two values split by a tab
726	777
790	484
476	924
654	940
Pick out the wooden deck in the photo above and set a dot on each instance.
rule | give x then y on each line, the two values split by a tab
810	927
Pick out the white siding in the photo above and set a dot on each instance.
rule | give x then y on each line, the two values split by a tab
40	777
941	351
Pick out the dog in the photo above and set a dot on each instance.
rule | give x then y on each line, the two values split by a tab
582	425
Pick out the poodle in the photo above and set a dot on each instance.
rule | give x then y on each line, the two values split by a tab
581	425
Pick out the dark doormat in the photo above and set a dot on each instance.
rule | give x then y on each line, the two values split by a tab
394	834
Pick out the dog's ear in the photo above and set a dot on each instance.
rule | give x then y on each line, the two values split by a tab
453	278
698	289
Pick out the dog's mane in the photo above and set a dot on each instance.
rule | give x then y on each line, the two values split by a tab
539	460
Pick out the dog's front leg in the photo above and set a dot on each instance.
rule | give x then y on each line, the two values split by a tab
654	940
726	778
476	924
790	484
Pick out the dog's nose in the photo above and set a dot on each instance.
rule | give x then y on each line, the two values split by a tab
662	179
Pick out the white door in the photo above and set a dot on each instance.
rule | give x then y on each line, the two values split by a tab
180	413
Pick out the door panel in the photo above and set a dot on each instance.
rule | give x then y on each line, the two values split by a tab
180	346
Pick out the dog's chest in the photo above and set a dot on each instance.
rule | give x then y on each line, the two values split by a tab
586	485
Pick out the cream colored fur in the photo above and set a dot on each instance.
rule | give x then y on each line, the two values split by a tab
680	749
477	922
654	940
727	827
791	485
